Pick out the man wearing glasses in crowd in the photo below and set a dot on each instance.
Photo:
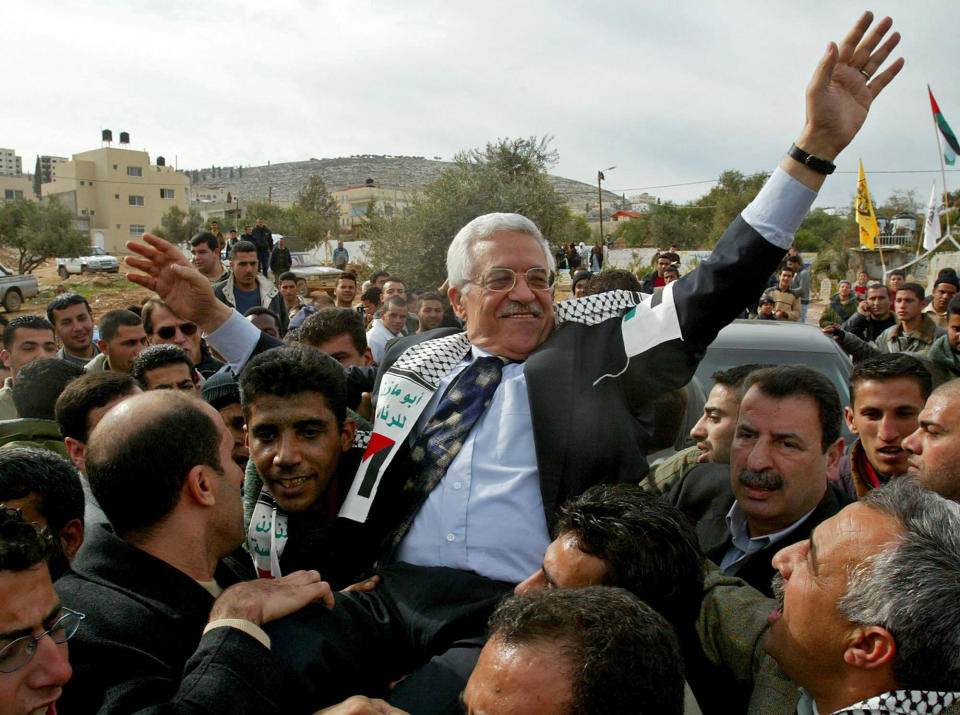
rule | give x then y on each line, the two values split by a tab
163	326
33	668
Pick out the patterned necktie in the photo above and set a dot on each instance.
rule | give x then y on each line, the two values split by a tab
457	412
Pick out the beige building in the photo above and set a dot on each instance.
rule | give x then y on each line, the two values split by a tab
16	187
354	201
48	167
10	163
119	191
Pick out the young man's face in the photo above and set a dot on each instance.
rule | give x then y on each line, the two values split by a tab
74	327
244	267
393	288
844	291
29	344
345	291
175	376
342	349
953	330
907	305
288	289
896	280
942	294
204	259
884	413
785	278
394	318
878	301
296	444
266	324
129	342
29	606
430	315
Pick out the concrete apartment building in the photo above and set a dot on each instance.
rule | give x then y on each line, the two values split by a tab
48	167
16	187
354	201
119	192
10	163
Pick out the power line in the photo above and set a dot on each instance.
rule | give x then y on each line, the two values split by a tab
714	181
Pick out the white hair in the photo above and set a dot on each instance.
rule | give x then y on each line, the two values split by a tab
460	256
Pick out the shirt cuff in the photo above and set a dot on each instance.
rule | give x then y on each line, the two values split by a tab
235	341
779	209
241	624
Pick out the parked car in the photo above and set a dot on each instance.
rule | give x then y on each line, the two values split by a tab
93	259
311	276
14	289
777	343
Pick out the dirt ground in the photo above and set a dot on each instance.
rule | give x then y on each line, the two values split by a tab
105	291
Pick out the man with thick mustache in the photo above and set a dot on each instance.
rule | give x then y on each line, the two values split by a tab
787	437
471	433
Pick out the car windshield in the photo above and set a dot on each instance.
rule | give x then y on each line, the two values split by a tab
826	363
97	251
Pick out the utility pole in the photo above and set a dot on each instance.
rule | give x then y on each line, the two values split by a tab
601	177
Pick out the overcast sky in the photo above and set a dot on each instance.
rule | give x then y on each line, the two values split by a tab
670	92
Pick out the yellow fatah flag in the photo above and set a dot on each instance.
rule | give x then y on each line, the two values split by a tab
866	218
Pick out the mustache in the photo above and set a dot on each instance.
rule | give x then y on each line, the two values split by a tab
776	584
760	480
513	307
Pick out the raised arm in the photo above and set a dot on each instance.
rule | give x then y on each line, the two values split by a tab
166	271
844	85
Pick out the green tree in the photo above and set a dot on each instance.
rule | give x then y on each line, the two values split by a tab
277	219
509	175
316	213
38	231
901	201
178	226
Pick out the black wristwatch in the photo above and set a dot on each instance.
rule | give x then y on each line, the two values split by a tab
818	164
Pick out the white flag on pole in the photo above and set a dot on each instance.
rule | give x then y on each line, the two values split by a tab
931	228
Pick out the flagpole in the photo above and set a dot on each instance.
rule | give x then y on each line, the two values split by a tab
943	170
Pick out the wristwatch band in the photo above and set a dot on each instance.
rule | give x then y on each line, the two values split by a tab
821	166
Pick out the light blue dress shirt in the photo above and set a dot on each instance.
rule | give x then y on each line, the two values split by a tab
486	514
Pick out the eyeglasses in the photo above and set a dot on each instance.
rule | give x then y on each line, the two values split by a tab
18	653
501	280
168	331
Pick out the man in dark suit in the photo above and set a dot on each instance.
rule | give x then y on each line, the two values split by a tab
160	465
525	454
775	490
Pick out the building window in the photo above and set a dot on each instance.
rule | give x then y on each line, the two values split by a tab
13	194
92	212
116	196
134	171
137	229
135	200
166	193
115	167
83	212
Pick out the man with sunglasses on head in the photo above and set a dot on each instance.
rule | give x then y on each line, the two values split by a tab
33	668
163	326
471	433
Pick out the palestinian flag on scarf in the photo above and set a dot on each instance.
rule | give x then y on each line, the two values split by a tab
951	146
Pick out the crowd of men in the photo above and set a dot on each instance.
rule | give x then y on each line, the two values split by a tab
237	501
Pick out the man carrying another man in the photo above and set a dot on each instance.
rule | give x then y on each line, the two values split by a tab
500	272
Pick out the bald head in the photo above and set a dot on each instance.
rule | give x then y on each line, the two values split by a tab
140	453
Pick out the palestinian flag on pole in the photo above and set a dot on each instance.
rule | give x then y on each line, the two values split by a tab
951	146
